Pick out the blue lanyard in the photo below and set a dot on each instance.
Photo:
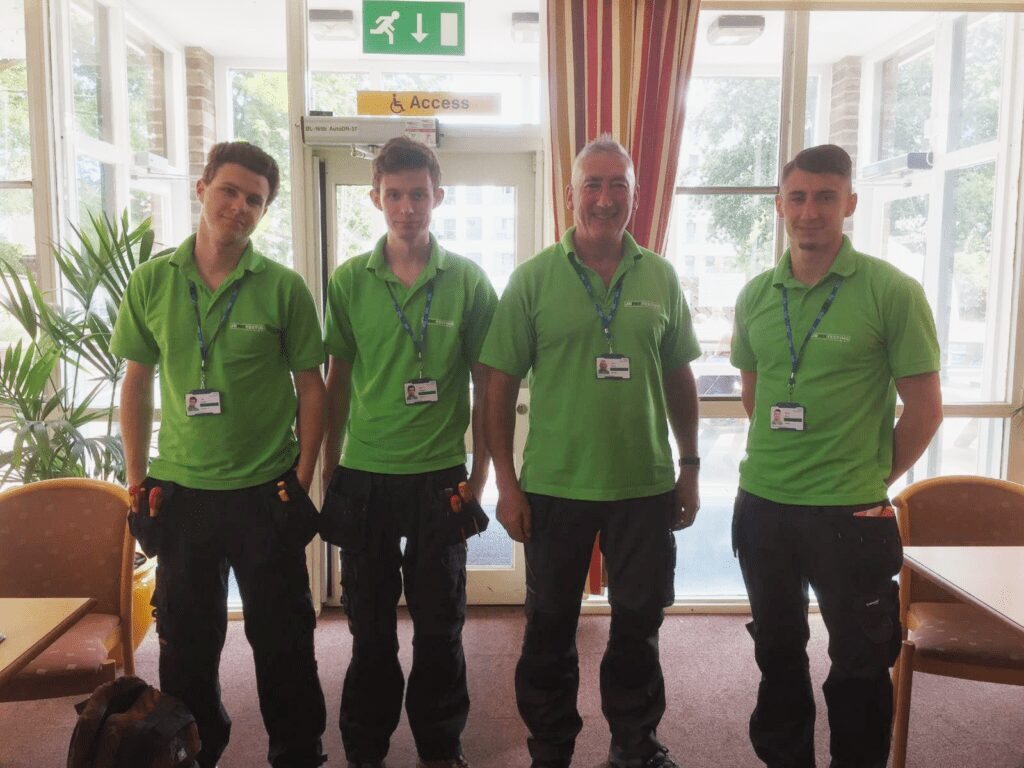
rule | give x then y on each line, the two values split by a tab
204	349
605	317
794	357
418	344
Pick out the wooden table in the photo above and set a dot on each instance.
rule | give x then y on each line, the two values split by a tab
987	577
31	624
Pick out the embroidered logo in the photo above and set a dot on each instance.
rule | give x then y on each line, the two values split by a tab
442	323
840	338
641	303
253	327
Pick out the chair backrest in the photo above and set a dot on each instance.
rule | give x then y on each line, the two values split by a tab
67	538
959	510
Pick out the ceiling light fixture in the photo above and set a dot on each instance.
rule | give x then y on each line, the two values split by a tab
332	24
526	27
735	29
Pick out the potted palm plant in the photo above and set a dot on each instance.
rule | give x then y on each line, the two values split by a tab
58	384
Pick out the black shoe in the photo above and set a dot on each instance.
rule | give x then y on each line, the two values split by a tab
659	759
366	764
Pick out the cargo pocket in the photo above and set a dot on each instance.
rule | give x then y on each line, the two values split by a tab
344	518
147	513
875	554
296	516
456	512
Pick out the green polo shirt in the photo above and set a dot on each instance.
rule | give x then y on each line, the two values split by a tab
272	331
383	433
591	439
879	328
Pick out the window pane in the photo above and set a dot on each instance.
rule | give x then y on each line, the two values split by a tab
982	55
904	240
481	216
15	155
359	225
95	181
335	92
89	73
963	446
717	243
963	317
17	248
731	134
906	104
705	566
152	205
939	217
731	131
260	115
147	102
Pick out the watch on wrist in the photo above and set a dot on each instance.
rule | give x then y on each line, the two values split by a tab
690	461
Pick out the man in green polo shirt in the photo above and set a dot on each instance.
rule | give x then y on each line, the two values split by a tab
404	327
602	328
238	345
824	342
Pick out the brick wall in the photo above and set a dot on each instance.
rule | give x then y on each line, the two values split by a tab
202	134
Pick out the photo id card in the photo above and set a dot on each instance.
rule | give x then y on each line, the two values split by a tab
420	391
202	402
787	416
611	367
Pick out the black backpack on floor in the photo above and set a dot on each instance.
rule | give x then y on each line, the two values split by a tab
129	724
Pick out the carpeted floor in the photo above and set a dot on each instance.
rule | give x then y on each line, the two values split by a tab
710	678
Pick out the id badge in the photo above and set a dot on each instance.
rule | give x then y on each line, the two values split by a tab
202	402
787	416
420	391
611	367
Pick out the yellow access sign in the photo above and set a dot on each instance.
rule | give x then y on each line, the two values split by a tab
420	103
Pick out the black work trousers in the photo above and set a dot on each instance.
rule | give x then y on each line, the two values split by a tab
201	534
640	554
373	564
850	562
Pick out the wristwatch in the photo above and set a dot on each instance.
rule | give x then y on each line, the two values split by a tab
690	461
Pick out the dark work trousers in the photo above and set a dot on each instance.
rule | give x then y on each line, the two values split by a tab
373	565
640	554
850	562
202	534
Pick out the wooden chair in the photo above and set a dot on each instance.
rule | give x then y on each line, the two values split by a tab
942	635
70	538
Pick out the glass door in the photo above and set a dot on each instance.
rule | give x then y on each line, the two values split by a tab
488	215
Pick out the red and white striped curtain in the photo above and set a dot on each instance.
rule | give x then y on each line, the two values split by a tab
621	67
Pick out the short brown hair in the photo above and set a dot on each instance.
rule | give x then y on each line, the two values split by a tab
404	154
824	158
248	156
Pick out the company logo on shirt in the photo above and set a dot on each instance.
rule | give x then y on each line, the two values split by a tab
641	303
253	327
840	338
442	323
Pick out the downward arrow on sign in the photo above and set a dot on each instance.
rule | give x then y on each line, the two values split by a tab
419	34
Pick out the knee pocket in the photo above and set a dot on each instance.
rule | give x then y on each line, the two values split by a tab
627	622
550	630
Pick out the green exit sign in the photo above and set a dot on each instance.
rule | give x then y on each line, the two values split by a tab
414	28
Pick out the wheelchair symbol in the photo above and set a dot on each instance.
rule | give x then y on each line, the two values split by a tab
396	106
